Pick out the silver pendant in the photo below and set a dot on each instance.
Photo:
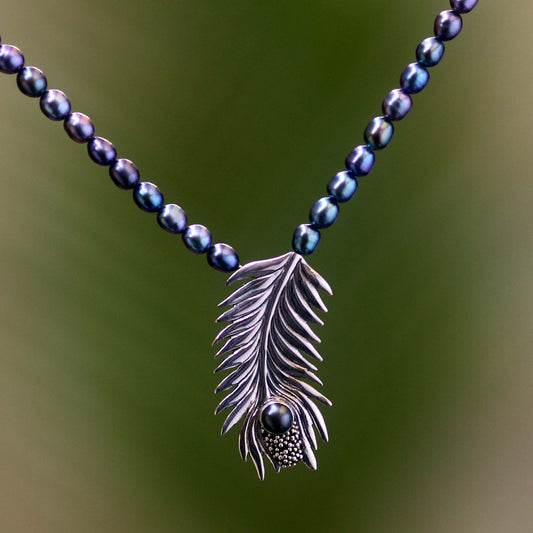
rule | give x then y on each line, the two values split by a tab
264	346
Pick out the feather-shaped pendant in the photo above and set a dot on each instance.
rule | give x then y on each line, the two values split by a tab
264	346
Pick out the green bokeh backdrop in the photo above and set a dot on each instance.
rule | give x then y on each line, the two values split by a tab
241	112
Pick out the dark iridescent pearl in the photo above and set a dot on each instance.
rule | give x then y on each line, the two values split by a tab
324	212
448	24
463	6
11	59
101	151
305	239
222	257
342	186
276	418
148	197
197	238
396	104
124	174
172	218
414	78
79	127
31	81
360	160
378	133
430	51
55	104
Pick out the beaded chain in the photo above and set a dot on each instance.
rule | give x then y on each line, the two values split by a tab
171	217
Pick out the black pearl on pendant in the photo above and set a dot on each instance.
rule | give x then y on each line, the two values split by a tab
197	238
276	418
414	78
55	104
324	212
463	6
222	257
430	51
31	81
342	186
360	160
305	239
396	104
11	59
448	24
172	218
148	197
79	127
378	133
124	174
101	151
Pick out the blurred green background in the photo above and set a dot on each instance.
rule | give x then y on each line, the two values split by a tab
241	112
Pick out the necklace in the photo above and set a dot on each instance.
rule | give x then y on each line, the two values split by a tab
268	342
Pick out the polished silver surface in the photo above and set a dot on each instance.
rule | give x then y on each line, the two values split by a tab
267	345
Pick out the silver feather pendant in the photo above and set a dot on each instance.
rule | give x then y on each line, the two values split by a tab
267	346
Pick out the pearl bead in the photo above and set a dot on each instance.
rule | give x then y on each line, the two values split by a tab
378	133
305	239
172	218
360	160
11	59
276	418
463	6
101	151
55	104
448	24
396	104
79	127
148	197
124	174
342	186
222	257
31	81
414	78
430	51
324	212
197	238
